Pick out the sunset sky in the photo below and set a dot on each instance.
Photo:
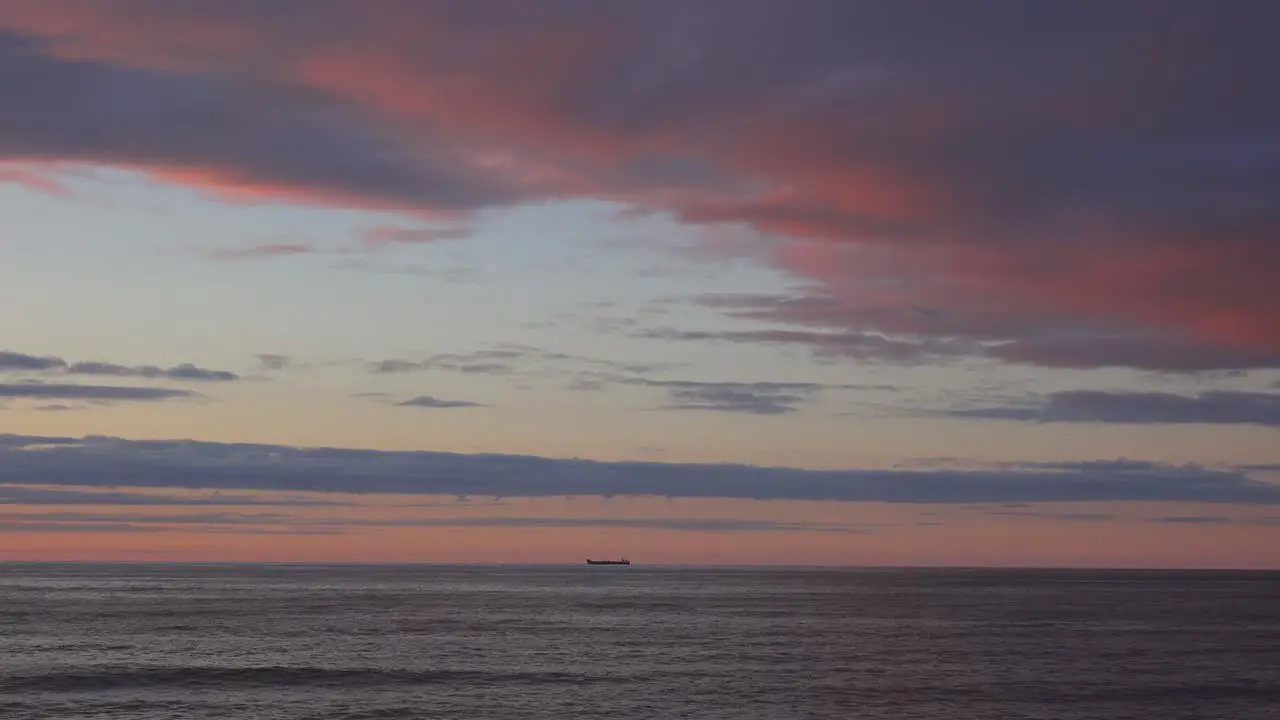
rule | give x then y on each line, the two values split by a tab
980	282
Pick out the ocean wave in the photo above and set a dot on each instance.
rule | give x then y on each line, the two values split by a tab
117	678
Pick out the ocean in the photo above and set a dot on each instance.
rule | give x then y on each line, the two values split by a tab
269	642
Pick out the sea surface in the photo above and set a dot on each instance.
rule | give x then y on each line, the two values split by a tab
267	642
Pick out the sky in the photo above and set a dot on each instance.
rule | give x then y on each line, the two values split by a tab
822	282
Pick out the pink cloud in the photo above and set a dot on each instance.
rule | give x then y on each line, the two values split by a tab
38	177
1052	180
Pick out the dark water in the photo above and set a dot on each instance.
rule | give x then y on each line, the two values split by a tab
268	642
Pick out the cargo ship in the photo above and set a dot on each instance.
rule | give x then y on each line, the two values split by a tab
623	561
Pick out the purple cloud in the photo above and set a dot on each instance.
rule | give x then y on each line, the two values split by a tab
1081	184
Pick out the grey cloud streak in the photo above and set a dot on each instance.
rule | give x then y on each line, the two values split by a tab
395	234
98	461
37	526
1214	520
46	391
735	400
1069	516
915	346
1194	520
471	364
1220	407
261	251
677	524
752	398
10	361
133	526
147	519
756	398
19	495
274	361
58	407
15	361
280	524
185	371
513	359
427	401
592	374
